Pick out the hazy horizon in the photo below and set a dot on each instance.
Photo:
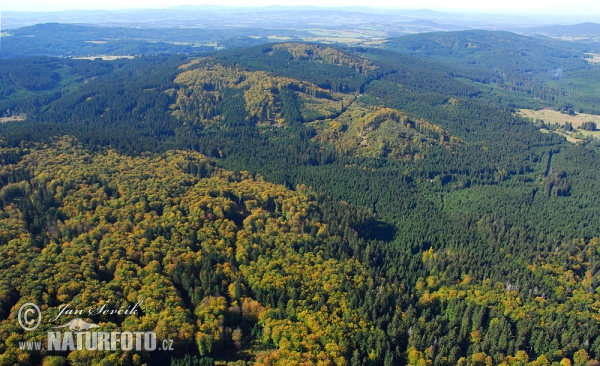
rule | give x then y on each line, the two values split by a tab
583	8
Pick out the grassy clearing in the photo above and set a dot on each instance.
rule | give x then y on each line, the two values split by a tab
344	36
339	34
103	57
280	38
595	58
352	41
588	39
13	119
550	116
569	137
375	42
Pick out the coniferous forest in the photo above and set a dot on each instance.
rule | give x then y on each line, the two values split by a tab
300	204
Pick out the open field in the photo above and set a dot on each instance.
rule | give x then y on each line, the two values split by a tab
595	58
280	38
375	42
103	57
12	119
344	36
587	39
569	138
349	41
340	34
552	116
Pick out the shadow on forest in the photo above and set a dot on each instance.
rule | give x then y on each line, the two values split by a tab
377	230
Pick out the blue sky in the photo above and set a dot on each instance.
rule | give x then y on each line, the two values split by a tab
545	7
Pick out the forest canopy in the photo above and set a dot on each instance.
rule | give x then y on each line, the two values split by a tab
289	204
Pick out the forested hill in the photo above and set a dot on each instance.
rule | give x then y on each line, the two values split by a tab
539	67
473	42
301	203
581	30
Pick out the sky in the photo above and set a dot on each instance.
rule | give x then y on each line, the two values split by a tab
554	7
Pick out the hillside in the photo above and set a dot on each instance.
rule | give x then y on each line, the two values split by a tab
470	45
575	30
120	229
302	203
535	71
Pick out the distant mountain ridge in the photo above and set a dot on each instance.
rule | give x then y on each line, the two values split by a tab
583	29
184	16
